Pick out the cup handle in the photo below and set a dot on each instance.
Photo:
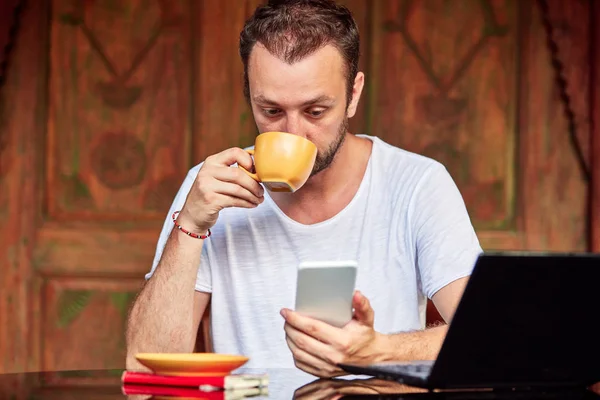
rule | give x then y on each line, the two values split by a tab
250	174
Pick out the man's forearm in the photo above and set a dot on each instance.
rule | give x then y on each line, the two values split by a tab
409	346
161	319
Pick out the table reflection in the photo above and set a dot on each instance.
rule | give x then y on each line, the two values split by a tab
337	388
283	384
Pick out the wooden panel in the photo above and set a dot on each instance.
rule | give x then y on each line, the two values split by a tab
361	10
21	128
478	94
449	93
118	129
571	32
222	117
7	19
553	192
84	321
107	252
17	386
119	108
595	134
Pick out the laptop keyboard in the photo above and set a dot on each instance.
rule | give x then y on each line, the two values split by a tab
418	369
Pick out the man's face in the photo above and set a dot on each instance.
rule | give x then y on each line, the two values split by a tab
307	98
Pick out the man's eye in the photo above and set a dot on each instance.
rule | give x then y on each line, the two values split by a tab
271	112
316	113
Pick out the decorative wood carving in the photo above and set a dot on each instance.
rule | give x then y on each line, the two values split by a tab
119	107
449	94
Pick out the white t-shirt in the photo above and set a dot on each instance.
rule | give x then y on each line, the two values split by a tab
407	227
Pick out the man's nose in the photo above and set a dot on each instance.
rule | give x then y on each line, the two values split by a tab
293	124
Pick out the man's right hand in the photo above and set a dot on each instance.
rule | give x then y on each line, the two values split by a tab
218	186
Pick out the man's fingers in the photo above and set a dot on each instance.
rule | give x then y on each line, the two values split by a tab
231	156
239	177
309	369
317	329
311	346
217	186
223	201
236	191
309	363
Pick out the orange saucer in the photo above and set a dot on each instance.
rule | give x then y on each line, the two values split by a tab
191	364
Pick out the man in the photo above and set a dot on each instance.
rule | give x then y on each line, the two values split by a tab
398	214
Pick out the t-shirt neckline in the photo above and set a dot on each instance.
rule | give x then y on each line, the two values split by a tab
362	188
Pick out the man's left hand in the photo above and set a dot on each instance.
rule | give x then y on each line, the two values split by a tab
318	347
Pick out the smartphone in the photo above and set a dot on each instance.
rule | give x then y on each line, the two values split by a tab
324	290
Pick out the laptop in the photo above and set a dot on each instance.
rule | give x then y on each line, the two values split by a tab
525	320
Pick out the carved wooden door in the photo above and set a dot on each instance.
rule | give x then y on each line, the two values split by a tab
117	149
100	146
470	83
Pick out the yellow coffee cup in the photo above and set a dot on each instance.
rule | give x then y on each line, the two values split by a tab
283	161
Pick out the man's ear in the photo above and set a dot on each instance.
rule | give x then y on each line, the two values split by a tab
359	83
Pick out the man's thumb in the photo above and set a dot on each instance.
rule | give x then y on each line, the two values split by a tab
362	309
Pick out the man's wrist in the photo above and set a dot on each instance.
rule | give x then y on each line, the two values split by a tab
188	223
406	346
382	348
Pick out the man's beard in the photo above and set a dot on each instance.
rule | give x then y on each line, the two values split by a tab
325	159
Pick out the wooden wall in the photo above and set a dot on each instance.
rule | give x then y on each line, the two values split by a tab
110	103
594	96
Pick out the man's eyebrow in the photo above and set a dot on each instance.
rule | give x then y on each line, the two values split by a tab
320	99
263	100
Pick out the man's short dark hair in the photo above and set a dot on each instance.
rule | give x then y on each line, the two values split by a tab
294	29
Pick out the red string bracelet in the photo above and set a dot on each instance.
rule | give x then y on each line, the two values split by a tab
182	229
